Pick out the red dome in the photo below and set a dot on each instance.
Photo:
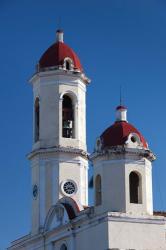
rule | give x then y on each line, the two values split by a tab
56	54
118	133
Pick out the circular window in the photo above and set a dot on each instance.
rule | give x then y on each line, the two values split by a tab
133	139
69	187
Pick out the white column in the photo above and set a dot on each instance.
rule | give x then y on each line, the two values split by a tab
76	120
60	116
42	192
55	182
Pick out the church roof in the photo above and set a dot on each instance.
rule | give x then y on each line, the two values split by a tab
118	133
55	55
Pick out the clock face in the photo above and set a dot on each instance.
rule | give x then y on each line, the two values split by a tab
35	191
69	187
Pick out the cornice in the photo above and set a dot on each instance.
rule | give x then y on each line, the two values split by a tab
59	149
145	219
123	151
60	72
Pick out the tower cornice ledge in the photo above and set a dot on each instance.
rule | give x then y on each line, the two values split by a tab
124	152
59	149
49	72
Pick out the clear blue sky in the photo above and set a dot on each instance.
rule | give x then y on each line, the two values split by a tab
119	42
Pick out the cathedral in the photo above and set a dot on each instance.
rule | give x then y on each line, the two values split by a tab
122	217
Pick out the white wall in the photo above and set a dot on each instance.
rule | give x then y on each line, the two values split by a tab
102	232
136	235
115	184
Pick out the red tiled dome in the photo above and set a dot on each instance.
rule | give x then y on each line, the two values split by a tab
118	133
56	54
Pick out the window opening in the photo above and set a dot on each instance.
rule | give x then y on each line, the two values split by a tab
37	119
63	247
68	117
68	65
135	188
98	194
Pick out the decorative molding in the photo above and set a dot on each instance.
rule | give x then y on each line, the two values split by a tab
124	161
59	72
124	151
71	93
45	151
122	217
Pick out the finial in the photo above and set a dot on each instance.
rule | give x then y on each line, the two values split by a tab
59	32
121	97
59	35
121	113
121	110
59	23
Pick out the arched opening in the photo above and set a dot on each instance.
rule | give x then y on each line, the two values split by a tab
135	188
63	247
98	194
37	119
68	66
67	117
68	63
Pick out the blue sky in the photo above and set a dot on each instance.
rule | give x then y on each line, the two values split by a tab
119	42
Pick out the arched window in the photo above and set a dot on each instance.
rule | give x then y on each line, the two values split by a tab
63	247
68	63
67	117
98	194
135	188
68	67
37	119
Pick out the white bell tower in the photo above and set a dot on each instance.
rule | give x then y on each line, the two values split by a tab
59	154
123	169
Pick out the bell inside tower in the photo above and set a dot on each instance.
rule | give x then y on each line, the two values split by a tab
67	117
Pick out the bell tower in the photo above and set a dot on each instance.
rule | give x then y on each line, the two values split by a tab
59	153
123	169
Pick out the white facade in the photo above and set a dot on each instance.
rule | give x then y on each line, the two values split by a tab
105	231
122	215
